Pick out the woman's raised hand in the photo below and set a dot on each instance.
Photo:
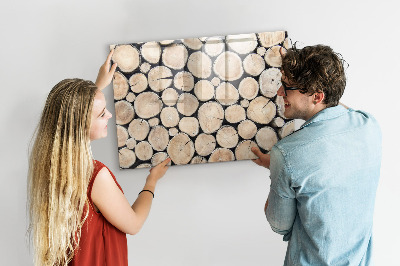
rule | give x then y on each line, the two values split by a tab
105	75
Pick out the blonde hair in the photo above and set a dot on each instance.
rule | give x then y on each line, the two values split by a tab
60	167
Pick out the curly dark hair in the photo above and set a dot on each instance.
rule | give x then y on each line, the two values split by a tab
316	69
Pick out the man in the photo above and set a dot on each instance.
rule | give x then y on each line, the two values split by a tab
323	176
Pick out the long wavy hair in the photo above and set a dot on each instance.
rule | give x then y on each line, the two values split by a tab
60	167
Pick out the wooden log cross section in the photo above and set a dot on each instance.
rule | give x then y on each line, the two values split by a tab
199	100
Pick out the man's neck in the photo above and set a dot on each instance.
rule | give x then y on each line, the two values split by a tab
318	108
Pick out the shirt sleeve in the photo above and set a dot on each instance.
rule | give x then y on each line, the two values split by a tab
281	210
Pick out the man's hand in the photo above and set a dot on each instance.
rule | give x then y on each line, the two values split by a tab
263	159
106	74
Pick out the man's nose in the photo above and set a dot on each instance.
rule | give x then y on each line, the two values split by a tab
281	91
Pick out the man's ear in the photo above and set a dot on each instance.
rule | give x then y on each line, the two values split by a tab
318	97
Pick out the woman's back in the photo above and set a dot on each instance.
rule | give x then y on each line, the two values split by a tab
101	243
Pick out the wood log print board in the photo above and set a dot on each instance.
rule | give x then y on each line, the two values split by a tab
199	100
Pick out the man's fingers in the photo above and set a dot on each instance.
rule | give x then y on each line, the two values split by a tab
256	151
257	161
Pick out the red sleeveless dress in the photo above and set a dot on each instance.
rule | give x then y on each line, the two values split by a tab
101	243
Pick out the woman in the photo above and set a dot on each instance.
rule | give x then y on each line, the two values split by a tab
78	212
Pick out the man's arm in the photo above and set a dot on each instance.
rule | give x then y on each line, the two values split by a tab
280	208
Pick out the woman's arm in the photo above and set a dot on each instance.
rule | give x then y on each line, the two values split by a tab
114	206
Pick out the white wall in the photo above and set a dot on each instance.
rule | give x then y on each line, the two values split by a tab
205	214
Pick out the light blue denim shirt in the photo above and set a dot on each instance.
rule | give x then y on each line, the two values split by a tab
323	183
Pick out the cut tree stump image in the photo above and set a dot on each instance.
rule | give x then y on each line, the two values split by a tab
138	129
126	157
214	46
122	135
235	113
253	64
204	90
151	52
180	149
158	138
189	125
158	158
169	96
221	155
143	151
147	105
228	66
175	56
248	88
184	81
127	57
227	137
211	116
205	144
121	87
273	56
226	94
160	78
199	64
199	100
247	129
198	159
138	82
124	112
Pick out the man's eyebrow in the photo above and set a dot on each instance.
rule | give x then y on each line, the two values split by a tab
286	85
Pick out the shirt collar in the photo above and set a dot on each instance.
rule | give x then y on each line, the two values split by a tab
326	114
